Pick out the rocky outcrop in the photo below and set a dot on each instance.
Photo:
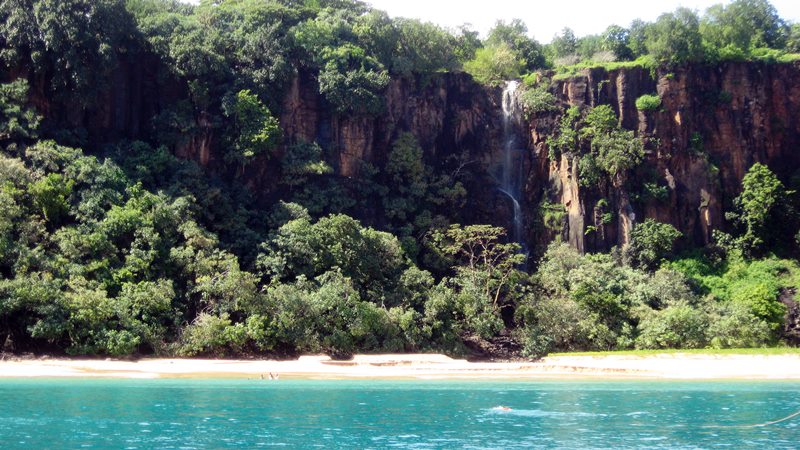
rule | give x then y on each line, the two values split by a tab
714	123
455	120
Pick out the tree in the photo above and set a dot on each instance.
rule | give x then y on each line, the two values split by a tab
255	130
73	42
494	64
599	290
259	34
482	257
616	39
565	43
378	33
352	81
793	41
515	35
675	37
744	25
50	195
763	197
650	243
302	160
618	151
637	37
423	47
17	120
373	260
467	43
591	48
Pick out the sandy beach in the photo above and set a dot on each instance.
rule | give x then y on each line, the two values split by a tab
424	366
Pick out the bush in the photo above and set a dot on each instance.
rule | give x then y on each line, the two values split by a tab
567	139
538	100
211	335
651	242
648	102
618	151
673	327
761	298
589	173
599	120
552	215
734	326
255	130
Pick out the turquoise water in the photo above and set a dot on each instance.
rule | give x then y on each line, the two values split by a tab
185	414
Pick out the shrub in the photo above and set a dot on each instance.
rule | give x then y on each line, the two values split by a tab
761	298
734	326
600	119
673	327
654	191
256	131
552	215
650	242
604	57
648	102
538	100
567	139
589	172
618	151
212	335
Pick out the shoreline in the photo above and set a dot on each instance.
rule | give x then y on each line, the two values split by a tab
666	366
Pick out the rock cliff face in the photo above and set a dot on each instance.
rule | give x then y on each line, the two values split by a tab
713	124
455	120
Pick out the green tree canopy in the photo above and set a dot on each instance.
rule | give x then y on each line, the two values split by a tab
675	37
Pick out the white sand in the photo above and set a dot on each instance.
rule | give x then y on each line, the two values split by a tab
423	366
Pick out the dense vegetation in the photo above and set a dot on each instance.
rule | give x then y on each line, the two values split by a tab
119	247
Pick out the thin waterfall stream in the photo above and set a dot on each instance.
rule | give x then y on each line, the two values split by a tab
512	175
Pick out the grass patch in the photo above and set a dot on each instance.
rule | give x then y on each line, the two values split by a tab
644	62
647	62
694	351
789	58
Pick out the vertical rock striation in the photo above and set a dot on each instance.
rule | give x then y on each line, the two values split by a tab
713	124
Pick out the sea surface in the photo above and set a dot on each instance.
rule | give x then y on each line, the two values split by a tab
189	414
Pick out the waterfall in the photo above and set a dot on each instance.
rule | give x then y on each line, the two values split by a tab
512	175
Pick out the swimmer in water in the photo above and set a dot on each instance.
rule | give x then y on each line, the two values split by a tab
502	408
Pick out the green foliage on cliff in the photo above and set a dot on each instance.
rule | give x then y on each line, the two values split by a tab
602	146
256	131
648	102
538	99
18	120
650	242
760	212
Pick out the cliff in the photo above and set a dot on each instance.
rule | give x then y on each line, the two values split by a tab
455	120
713	124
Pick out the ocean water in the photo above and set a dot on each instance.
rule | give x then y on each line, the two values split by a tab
188	414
